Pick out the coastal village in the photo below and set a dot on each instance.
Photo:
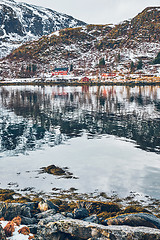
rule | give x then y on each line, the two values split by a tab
64	75
104	72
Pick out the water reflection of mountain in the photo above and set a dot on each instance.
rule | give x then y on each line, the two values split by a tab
33	116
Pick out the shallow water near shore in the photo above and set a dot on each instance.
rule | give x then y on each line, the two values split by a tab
108	138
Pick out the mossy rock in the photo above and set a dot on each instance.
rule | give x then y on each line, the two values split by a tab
67	206
96	207
5	197
72	205
57	171
23	199
135	209
6	194
105	215
56	201
4	191
52	169
37	199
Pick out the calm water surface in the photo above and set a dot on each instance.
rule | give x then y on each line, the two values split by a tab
108	137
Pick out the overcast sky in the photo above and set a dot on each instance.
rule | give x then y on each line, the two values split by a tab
97	11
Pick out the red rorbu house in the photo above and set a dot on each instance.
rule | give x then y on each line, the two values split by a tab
85	79
108	74
60	71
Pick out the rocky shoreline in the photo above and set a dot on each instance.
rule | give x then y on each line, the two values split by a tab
59	219
42	82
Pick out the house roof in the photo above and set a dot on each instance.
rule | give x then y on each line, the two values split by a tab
60	69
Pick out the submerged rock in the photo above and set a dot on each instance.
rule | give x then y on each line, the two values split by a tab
57	171
135	220
52	169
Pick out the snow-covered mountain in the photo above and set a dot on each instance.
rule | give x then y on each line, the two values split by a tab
21	22
120	45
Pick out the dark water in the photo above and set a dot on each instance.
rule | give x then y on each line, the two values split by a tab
107	136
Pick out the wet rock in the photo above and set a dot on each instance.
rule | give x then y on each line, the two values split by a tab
2	234
31	205
26	211
138	219
55	236
68	214
33	228
28	221
81	213
12	210
52	218
46	214
79	229
46	205
93	219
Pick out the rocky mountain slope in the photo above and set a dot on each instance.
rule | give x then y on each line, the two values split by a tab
145	27
83	46
20	22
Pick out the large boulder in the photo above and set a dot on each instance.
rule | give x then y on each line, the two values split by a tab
135	220
78	229
45	214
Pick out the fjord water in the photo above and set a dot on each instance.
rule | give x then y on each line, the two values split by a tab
108	137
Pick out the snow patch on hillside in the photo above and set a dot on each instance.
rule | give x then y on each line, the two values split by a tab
32	22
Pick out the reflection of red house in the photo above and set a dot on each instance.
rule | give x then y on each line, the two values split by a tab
85	79
60	71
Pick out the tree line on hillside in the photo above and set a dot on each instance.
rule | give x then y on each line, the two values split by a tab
28	71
